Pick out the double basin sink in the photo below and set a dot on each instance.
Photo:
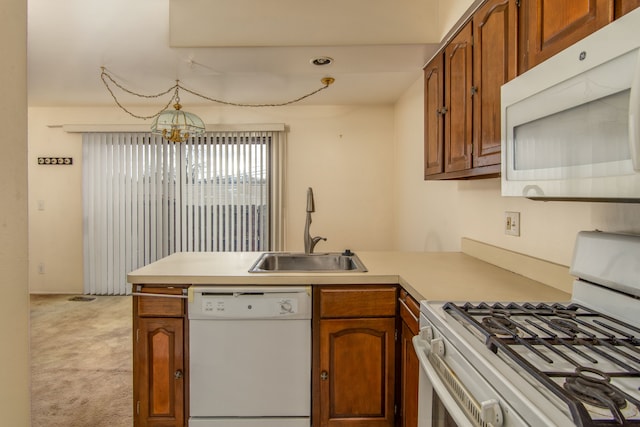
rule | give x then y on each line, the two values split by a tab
277	262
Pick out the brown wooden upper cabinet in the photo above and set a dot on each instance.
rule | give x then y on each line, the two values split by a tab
550	26
462	94
625	6
458	92
462	129
433	116
494	63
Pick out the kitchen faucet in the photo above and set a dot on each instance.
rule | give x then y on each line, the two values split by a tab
310	242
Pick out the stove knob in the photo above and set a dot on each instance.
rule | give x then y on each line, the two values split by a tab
491	413
426	333
437	346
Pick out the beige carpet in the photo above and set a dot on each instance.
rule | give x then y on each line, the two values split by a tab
81	356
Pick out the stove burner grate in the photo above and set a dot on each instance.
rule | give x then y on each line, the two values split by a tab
595	389
575	334
499	325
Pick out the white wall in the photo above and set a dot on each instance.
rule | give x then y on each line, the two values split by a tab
14	304
343	153
434	215
365	166
449	12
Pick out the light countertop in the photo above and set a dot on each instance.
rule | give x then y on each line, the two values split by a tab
451	276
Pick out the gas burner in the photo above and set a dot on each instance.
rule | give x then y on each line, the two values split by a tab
564	325
499	324
564	312
593	387
498	310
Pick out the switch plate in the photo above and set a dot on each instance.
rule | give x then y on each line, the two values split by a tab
512	223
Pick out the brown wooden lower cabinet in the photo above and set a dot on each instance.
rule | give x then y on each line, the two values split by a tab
361	345
409	364
354	361
357	372
159	349
160	361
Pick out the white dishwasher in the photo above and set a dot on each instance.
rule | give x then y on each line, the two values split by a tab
250	356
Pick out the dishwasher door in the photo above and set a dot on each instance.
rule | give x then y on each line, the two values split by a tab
250	357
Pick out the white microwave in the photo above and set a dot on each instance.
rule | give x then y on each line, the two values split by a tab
571	125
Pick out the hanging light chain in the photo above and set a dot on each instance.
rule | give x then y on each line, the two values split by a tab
326	81
105	76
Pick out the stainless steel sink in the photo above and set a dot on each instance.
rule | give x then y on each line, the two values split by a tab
277	262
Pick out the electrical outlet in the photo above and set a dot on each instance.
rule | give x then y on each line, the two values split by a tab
41	268
512	223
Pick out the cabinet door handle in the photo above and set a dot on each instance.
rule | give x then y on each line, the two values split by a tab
324	375
177	374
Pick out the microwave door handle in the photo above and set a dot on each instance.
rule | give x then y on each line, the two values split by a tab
634	117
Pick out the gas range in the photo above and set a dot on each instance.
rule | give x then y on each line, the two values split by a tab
542	363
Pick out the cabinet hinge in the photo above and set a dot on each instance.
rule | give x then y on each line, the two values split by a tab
395	335
395	409
138	407
518	3
138	335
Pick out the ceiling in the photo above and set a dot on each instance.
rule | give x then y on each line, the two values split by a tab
243	51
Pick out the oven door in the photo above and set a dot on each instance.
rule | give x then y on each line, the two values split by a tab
431	410
444	399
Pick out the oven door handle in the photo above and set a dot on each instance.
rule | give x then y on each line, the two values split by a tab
486	413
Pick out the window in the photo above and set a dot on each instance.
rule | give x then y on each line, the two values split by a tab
145	198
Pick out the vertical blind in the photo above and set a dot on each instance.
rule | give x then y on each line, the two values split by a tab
145	198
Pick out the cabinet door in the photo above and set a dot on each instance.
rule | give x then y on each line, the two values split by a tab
494	63
433	116
410	372
626	6
159	381
552	25
357	372
409	364
458	101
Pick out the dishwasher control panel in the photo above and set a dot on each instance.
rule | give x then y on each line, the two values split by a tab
250	303
248	306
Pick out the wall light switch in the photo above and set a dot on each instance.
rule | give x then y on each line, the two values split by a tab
512	223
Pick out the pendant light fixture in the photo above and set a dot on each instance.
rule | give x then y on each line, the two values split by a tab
177	125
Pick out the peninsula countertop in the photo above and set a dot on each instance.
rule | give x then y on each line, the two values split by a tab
436	276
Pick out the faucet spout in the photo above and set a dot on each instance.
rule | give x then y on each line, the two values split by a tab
314	241
310	242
